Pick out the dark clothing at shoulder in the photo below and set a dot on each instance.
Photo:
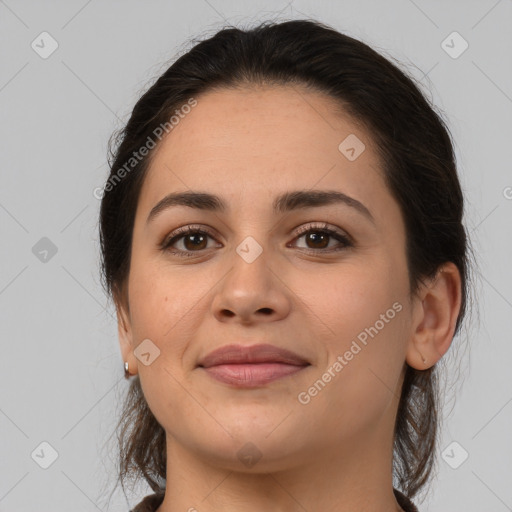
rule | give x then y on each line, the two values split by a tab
150	503
153	501
405	502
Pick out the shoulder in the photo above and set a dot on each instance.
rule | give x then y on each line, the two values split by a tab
405	502
153	501
149	503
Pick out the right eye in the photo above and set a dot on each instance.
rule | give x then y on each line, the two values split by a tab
193	239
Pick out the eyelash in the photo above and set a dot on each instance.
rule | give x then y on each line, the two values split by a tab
310	228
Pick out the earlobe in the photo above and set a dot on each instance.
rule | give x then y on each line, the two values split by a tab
437	309
125	334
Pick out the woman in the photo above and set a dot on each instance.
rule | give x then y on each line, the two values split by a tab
282	236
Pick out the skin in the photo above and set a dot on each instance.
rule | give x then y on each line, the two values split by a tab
335	452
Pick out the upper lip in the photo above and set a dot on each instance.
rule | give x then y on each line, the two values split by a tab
241	354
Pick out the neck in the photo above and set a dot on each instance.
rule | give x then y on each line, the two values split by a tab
357	477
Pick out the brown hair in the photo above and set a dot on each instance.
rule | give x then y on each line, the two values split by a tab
418	162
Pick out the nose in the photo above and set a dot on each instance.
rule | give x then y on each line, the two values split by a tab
252	291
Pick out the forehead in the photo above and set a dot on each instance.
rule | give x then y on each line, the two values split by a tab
253	143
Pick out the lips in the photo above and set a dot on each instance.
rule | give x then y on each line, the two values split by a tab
240	354
254	366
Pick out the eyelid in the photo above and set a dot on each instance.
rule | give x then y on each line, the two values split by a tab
323	226
184	230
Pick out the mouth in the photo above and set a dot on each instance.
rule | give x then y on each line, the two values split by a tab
253	366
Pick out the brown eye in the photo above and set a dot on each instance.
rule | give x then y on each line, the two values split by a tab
197	241
187	240
318	239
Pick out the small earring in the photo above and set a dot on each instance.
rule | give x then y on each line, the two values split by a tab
126	370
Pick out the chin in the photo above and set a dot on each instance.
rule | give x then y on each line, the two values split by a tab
252	456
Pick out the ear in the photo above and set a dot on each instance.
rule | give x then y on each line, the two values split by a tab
125	333
436	310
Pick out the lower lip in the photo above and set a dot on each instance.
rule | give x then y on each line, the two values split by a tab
251	375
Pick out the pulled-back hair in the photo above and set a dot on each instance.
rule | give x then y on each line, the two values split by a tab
418	164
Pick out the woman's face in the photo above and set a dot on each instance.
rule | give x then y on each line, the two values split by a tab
267	273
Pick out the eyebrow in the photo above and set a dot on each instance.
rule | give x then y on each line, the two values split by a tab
289	201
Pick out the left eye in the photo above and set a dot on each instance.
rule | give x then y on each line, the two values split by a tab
322	237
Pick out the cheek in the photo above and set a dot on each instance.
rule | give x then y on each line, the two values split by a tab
168	305
155	304
360	315
345	300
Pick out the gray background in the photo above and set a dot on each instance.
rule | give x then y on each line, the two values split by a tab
61	368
